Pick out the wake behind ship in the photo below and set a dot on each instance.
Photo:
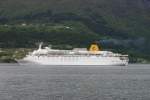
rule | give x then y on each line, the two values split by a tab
76	56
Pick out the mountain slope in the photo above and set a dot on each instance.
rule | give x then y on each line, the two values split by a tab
124	15
118	24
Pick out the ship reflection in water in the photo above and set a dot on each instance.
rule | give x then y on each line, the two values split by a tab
21	82
77	56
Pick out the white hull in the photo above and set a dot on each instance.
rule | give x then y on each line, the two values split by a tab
76	60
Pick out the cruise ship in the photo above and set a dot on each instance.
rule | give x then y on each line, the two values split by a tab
77	56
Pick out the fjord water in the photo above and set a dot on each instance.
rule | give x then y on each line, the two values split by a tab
32	82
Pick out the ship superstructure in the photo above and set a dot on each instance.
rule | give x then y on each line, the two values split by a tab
76	56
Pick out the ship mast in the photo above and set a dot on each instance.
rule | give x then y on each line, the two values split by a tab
40	45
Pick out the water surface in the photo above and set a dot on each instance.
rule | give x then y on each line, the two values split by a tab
34	82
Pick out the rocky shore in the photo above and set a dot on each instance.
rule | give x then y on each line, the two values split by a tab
11	55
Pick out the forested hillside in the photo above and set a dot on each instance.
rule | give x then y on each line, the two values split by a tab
120	25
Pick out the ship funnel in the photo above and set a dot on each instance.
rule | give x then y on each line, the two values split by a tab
94	48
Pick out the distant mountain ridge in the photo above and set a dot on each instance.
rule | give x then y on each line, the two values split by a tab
125	21
124	15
